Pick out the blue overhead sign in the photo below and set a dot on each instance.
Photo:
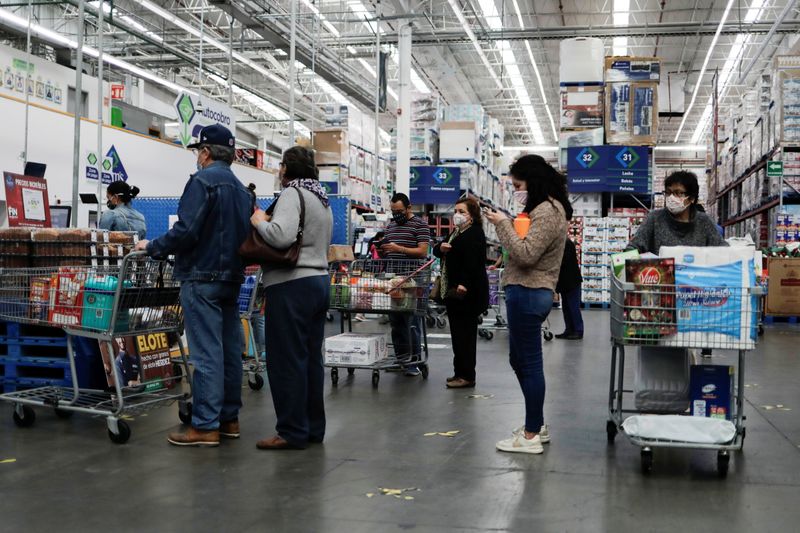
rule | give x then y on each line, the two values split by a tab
434	185
608	169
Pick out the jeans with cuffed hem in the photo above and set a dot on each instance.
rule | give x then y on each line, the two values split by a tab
527	309
214	332
295	331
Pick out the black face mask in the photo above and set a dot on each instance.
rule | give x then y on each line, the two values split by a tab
110	205
399	218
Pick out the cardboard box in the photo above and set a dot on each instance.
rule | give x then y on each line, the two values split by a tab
40	297
783	290
355	349
331	147
458	140
628	68
631	116
67	290
711	390
340	252
582	107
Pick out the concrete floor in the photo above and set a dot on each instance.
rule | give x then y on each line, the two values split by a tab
69	476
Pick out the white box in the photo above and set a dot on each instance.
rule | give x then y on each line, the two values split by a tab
355	349
458	140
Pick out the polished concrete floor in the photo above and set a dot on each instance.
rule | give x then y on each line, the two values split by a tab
68	476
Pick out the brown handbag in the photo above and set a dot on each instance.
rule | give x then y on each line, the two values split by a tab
255	251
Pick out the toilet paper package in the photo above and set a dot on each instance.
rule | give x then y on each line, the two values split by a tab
714	307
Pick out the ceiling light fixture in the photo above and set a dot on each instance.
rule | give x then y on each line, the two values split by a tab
621	17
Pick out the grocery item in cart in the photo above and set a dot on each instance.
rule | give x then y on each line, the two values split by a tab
649	309
370	294
355	349
40	297
711	390
67	304
618	260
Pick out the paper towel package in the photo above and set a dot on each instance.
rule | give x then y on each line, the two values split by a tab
714	307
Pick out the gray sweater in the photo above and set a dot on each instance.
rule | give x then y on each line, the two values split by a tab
660	228
281	232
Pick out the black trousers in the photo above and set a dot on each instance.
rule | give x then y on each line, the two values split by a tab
464	335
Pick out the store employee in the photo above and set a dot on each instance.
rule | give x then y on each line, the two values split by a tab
120	215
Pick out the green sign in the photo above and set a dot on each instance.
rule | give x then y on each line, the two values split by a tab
19	64
775	169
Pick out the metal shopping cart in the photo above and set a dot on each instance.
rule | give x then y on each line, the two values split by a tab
251	306
497	298
385	287
137	299
683	317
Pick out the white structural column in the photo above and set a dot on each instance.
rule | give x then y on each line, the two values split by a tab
404	111
100	100
292	45
76	156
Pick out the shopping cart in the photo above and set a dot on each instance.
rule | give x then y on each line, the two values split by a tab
251	305
685	317
497	300
384	287
137	299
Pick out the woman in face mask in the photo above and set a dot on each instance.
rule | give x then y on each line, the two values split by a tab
464	288
529	280
120	215
681	223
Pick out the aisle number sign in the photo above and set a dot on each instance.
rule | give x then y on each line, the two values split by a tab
609	169
775	169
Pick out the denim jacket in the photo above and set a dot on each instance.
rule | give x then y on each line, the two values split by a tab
124	218
213	221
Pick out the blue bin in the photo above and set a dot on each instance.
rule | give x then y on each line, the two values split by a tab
98	304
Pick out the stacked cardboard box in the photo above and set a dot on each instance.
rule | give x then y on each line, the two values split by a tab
631	116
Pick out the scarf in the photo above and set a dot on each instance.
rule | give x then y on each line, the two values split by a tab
312	186
443	283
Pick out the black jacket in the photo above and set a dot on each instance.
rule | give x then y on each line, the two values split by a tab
569	277
466	265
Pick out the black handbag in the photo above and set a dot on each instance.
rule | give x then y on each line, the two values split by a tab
255	250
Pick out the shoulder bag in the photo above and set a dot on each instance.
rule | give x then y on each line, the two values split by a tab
255	250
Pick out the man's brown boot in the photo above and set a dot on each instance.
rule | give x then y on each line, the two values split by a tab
229	429
195	437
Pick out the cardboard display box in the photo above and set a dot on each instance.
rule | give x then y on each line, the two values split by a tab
458	140
582	107
783	290
631	113
629	68
331	147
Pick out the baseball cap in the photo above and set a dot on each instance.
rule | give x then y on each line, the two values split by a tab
216	135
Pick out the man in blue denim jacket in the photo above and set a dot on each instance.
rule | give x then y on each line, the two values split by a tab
213	221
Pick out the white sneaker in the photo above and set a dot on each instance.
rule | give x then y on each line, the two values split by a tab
519	444
544	433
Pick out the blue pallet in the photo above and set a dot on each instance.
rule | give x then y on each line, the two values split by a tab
769	320
595	305
25	375
15	384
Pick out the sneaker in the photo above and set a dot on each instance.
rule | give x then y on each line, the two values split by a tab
229	429
195	437
412	371
544	433
519	444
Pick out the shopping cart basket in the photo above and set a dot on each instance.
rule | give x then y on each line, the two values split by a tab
686	317
137	299
251	305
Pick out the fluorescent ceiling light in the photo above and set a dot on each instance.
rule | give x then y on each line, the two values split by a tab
330	27
703	69
128	20
536	71
457	10
532	148
752	15
358	8
621	16
680	148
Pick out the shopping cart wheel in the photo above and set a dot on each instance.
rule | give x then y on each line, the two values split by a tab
489	335
430	321
124	433
177	371
63	413
185	412
256	382
334	376
548	335
24	416
441	323
376	378
480	320
351	371
424	370
611	431
329	316
723	460
647	460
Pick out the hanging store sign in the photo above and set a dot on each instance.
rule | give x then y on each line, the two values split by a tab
117	91
434	185
196	112
619	169
26	201
775	169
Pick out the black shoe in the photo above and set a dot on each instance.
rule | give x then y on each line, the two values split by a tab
573	337
564	335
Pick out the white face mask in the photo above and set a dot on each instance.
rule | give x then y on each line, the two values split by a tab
459	219
675	205
521	197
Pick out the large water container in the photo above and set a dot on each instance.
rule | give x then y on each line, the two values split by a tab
582	60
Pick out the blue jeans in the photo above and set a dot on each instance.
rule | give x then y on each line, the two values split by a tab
295	331
571	307
527	309
404	325
215	339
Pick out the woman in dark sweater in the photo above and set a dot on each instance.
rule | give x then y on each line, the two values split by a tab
569	287
464	288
